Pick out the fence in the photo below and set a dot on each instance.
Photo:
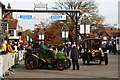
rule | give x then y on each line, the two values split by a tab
9	60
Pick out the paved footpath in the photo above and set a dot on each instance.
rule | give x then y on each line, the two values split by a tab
94	70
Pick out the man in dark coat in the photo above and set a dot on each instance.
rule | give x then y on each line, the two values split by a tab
75	56
114	48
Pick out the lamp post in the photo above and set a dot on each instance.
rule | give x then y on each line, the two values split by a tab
41	36
65	35
64	32
85	26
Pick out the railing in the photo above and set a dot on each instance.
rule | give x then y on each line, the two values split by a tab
8	60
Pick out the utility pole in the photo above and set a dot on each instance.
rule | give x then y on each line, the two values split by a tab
76	23
85	26
0	25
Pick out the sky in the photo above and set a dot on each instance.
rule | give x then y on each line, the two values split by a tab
107	8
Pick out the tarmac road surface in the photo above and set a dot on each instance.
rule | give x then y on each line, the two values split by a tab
94	70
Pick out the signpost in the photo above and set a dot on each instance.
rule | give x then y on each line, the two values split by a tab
25	16
58	17
29	16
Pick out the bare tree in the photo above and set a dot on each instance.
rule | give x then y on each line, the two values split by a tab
85	6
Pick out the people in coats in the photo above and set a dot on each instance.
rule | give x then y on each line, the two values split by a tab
75	56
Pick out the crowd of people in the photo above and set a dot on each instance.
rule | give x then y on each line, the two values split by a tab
11	47
110	47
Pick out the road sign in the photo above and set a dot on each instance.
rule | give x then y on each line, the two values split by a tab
25	17
58	17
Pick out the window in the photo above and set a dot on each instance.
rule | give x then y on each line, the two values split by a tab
118	41
95	44
11	32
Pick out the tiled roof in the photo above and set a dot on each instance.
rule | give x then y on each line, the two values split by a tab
113	32
108	33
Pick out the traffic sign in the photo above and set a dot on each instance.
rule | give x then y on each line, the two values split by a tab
31	16
25	16
58	17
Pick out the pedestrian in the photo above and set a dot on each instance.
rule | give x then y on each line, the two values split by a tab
110	47
79	48
60	47
12	45
4	47
50	47
68	50
16	48
36	45
75	56
114	48
104	47
65	50
9	47
54	52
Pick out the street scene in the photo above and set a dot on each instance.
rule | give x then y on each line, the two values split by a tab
59	39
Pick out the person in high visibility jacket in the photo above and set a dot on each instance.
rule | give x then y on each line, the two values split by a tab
4	46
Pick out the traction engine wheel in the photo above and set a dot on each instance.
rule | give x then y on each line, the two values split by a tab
67	63
60	64
31	62
106	59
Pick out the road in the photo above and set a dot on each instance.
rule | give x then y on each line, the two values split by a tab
94	70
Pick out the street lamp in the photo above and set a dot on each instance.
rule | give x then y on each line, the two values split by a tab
64	32
28	39
65	35
85	25
41	36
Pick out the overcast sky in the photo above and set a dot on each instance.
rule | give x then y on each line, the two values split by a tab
107	8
